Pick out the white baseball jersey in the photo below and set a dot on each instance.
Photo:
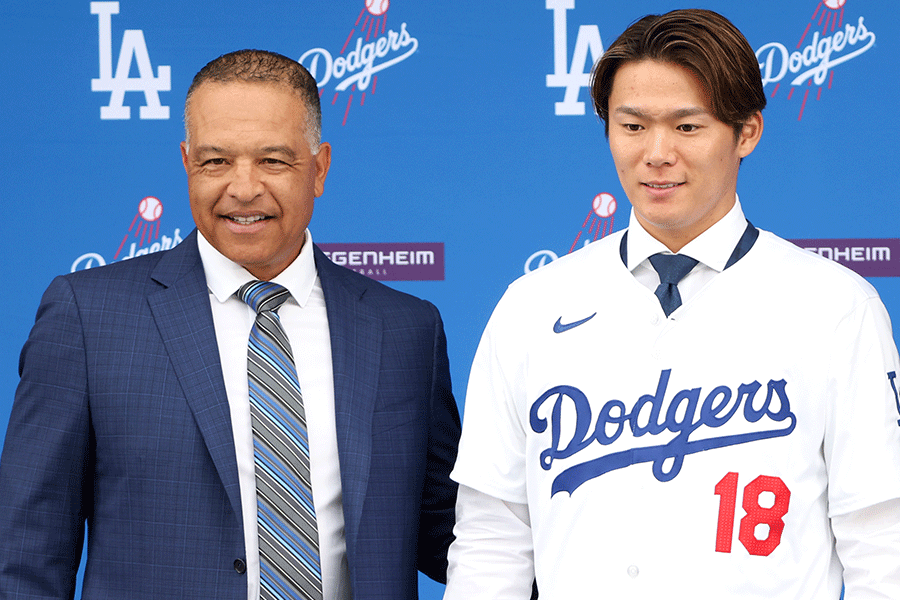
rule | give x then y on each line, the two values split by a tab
698	456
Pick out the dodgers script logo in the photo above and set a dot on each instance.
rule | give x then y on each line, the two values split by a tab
597	224
144	230
374	49
827	42
133	48
646	417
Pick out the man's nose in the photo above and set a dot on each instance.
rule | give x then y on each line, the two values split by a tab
246	183
660	150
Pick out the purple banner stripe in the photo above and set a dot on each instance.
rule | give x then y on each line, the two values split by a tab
868	257
423	261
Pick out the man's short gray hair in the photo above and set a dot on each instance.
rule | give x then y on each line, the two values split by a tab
262	66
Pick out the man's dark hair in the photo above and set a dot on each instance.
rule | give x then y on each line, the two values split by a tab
701	41
262	66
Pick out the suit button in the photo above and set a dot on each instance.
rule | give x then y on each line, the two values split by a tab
240	566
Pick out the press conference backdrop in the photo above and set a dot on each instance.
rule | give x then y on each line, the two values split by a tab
465	149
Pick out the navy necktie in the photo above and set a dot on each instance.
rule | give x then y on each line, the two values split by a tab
288	536
671	269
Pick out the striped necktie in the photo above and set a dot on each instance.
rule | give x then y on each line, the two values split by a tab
289	566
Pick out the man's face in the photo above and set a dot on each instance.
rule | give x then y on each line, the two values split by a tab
252	179
678	164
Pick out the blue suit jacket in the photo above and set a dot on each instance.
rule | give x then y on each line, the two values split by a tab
121	419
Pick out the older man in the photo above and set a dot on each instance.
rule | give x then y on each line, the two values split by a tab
237	417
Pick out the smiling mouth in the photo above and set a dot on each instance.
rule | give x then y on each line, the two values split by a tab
661	186
246	220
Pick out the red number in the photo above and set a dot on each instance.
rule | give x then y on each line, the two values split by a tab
727	488
756	514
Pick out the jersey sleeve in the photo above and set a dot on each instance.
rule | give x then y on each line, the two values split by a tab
862	437
492	448
493	556
868	544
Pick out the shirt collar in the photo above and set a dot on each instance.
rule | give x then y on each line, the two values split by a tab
224	277
713	247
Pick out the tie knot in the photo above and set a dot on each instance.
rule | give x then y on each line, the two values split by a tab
672	267
263	295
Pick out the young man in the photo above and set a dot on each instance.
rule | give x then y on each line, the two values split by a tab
149	406
692	407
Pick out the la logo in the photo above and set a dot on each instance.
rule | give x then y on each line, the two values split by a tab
576	77
134	48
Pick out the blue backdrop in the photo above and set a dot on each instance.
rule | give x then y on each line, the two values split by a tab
465	150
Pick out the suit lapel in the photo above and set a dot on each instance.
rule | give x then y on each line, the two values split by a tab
356	332
184	318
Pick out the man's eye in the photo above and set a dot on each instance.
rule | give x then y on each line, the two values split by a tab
687	128
273	161
213	161
632	127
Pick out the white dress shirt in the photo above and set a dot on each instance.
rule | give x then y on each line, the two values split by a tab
305	320
711	249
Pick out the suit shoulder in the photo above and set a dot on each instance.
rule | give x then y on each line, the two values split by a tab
125	271
177	260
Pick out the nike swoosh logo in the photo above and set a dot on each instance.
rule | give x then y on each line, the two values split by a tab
559	327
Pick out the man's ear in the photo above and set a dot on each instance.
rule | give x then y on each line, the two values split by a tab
750	134
323	163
